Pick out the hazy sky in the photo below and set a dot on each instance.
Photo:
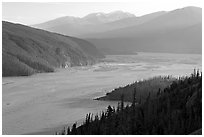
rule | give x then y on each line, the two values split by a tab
33	13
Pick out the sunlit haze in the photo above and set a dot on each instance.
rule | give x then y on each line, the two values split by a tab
33	13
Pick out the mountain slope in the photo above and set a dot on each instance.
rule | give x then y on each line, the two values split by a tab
136	20
95	23
26	50
182	40
178	31
92	23
179	18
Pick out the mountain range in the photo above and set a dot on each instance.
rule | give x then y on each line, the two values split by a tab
92	23
177	31
27	50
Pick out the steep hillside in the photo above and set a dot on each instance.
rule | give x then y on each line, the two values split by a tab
26	50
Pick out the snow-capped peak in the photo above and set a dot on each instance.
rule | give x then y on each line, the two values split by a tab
101	17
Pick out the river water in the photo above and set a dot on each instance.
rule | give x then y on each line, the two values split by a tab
43	103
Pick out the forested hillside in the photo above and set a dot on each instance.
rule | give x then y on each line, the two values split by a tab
175	110
144	87
26	50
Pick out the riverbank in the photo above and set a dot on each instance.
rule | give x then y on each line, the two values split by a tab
48	100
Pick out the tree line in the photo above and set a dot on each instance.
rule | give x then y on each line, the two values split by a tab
176	110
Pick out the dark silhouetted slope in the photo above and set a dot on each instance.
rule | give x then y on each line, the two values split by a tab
176	110
143	89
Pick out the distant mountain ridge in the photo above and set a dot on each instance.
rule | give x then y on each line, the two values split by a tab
26	50
177	31
91	23
92	18
175	19
101	17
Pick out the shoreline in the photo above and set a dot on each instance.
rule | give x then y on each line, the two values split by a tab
47	100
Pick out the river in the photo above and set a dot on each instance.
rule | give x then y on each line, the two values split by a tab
43	103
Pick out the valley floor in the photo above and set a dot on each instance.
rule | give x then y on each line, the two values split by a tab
41	102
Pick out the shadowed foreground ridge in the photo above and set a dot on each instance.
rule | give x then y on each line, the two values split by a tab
176	110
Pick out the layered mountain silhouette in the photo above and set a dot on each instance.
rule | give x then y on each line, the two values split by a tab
177	31
92	23
27	50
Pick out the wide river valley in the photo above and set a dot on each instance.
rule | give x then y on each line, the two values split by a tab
43	103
